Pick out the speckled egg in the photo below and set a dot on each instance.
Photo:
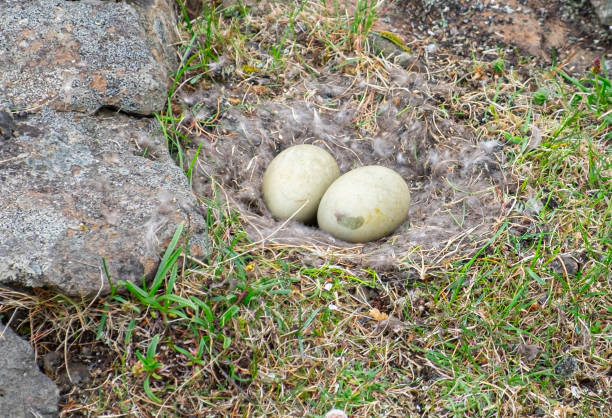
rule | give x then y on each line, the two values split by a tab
297	178
364	204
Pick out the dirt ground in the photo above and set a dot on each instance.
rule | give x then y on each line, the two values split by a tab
552	32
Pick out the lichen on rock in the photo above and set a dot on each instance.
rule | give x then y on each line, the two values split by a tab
81	56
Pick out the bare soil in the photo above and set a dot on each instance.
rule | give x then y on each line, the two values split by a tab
546	33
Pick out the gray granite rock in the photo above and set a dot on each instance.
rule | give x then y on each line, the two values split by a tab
24	390
159	21
603	8
76	188
84	55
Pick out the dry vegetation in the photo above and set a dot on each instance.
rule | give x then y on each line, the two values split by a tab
513	321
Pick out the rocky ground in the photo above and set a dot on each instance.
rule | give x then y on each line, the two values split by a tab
98	129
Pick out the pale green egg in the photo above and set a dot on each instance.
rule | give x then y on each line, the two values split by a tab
364	204
296	179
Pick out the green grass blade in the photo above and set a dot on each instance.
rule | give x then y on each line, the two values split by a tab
167	261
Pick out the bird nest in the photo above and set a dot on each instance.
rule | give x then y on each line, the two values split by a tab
455	179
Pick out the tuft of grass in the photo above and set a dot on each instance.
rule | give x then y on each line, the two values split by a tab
149	365
277	51
498	66
361	22
541	96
